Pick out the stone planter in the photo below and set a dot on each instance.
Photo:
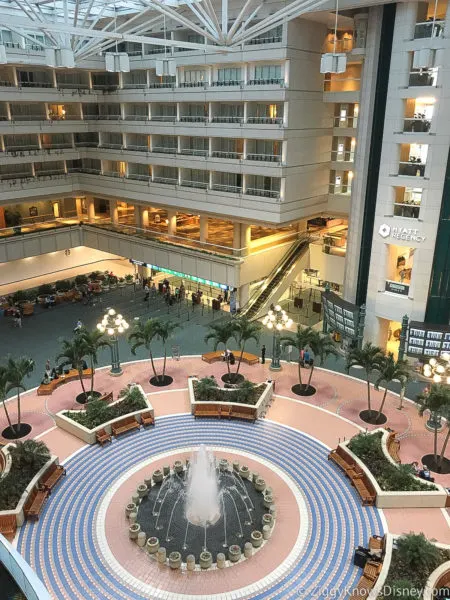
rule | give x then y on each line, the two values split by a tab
235	465
273	511
148	482
260	484
141	539
256	538
266	532
255	477
234	553
175	560
221	561
129	281
205	560
223	464
248	550
178	467
166	470
161	556
267	520
268	501
190	562
158	476
152	545
129	508
132	518
244	472
105	288
133	531
121	284
142	490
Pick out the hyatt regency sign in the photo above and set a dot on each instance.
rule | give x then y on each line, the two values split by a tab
405	234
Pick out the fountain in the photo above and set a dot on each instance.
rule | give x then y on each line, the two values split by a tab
205	508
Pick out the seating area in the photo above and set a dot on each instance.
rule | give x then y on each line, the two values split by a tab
355	474
35	503
46	389
102	436
52	476
206	409
249	359
8	526
125	425
147	419
393	447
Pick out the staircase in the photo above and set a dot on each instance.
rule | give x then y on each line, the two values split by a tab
261	297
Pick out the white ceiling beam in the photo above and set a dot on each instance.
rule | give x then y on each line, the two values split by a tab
204	18
212	13
239	18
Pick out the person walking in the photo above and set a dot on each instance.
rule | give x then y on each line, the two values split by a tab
263	355
147	292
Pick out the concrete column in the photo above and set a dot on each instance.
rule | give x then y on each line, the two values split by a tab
144	217
203	228
246	235
56	209
137	215
55	83
113	212
2	218
90	209
243	294
172	225
236	235
79	208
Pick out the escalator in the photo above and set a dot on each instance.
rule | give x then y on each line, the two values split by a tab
260	298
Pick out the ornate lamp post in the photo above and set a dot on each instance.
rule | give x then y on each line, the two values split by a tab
437	369
113	324
276	320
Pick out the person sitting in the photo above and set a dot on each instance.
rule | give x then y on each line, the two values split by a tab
54	374
306	358
78	327
424	473
46	379
47	302
226	355
231	358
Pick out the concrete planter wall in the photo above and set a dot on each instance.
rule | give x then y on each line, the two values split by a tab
18	511
384	499
5	460
88	436
436	575
259	408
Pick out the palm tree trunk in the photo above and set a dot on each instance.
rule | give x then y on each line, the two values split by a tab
80	375
92	375
19	415
7	416
300	374
164	365
153	364
435	443
368	399
444	447
240	359
227	361
402	395
380	410
310	376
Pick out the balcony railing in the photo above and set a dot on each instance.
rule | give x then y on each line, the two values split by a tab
166	180
15	149
423	78
138	148
227	119
226	154
189	84
111	146
265	157
164	149
7	84
193	152
194	118
344	156
50	173
194	184
226	83
341	188
265	120
44	84
275	81
220	187
135	86
168	118
264	193
416	125
428	29
267	40
137	118
86	144
411	169
29	118
409	211
351	122
139	177
116	117
112	174
159	85
56	146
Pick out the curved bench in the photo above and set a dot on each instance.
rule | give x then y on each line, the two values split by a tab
249	359
46	389
356	475
393	446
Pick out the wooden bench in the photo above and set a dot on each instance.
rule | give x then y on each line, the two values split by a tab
372	570
367	497
8	526
393	447
51	477
206	410
147	419
34	504
250	359
355	474
376	542
102	436
341	460
243	412
108	398
127	424
45	389
363	588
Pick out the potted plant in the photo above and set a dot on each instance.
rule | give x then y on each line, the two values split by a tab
129	279
81	280
113	280
13	219
105	283
19	297
121	282
43	291
62	287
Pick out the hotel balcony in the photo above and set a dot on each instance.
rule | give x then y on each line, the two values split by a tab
423	77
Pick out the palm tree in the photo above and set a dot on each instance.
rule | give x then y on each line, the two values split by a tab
368	357
165	331
417	554
436	400
143	335
300	341
446	415
391	370
245	330
322	347
221	333
3	393
17	370
73	354
94	340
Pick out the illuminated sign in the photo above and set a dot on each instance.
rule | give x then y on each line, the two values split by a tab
427	340
406	234
182	275
340	315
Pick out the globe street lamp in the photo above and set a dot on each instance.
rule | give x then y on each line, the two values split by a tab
276	320
113	324
438	370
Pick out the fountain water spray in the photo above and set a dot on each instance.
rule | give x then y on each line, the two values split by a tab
202	494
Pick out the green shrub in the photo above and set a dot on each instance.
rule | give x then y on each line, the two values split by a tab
44	289
31	294
98	412
27	459
392	478
81	279
207	390
63	285
129	277
19	296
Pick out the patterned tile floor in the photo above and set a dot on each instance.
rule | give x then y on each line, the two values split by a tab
70	553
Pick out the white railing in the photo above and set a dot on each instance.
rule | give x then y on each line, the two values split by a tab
194	184
164	149
264	157
429	29
263	193
265	120
193	152
194	118
350	122
227	188
227	119
343	156
226	154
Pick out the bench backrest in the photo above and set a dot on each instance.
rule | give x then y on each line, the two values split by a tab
107	398
31	498
7	521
